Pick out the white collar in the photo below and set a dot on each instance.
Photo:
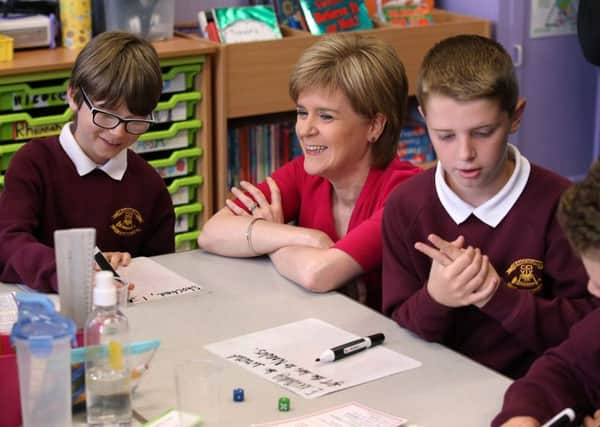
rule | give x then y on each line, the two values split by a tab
495	209
115	167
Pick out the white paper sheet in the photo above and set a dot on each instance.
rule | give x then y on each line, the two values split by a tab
153	280
286	356
349	415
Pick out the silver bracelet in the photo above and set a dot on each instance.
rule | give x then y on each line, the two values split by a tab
249	234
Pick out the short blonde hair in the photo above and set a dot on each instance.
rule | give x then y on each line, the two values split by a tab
466	68
115	67
368	72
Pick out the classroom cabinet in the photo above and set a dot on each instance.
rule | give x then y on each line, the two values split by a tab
33	104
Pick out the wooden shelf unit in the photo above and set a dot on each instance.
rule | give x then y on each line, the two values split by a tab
251	79
49	60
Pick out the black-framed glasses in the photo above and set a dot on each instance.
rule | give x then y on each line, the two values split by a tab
107	120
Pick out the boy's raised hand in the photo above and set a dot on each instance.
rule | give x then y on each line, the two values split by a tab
458	276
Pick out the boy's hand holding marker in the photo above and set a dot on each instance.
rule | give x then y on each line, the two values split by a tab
459	276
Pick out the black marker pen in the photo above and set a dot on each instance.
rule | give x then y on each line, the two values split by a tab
350	348
103	262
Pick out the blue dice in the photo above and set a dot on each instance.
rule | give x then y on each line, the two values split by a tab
238	394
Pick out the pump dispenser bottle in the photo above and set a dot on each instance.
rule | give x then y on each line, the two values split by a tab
107	375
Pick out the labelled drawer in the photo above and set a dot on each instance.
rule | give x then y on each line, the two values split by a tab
180	106
186	241
179	163
184	190
24	126
6	153
180	78
186	217
25	96
178	135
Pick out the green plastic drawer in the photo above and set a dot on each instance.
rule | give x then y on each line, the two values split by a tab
1	182
183	190
6	153
179	163
180	106
179	135
24	96
180	78
186	241
186	217
23	126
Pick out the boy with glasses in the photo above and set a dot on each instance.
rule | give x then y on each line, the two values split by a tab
86	177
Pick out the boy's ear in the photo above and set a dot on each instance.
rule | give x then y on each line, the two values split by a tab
71	99
421	112
517	115
377	126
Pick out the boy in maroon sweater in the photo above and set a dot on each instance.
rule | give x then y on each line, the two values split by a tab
86	177
567	375
484	190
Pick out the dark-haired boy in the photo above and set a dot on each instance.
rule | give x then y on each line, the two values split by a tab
86	177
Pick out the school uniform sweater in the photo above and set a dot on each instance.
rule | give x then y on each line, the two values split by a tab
543	289
43	192
566	376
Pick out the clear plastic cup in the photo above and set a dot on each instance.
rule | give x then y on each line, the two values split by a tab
43	342
198	386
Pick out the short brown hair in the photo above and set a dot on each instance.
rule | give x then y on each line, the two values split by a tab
368	72
115	67
579	212
467	68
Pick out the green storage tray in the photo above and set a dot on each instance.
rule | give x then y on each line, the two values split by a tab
180	78
183	190
178	135
23	126
179	163
180	106
186	241
185	217
24	96
7	152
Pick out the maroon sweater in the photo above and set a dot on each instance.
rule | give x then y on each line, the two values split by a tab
43	193
565	376
544	284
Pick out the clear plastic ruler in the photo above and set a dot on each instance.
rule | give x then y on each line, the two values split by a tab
74	251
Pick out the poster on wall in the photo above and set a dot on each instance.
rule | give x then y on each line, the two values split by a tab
553	18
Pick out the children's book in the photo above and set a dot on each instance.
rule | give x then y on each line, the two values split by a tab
332	16
246	23
406	13
289	13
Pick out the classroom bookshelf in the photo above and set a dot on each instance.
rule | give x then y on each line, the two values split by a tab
33	103
251	79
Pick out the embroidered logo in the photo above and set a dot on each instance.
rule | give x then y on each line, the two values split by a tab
525	274
127	222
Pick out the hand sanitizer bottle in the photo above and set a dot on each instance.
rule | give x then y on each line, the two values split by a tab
107	376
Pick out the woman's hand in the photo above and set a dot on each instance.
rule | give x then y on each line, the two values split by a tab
257	206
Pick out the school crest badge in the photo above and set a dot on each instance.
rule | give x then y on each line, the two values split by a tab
525	274
126	222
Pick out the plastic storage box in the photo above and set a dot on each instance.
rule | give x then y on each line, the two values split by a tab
152	20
